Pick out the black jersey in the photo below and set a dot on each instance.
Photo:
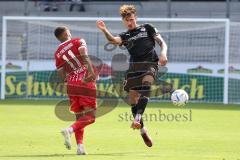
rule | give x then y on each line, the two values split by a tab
140	43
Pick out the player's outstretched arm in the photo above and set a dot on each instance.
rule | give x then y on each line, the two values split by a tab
112	39
163	55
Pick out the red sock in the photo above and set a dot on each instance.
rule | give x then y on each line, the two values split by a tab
82	122
79	135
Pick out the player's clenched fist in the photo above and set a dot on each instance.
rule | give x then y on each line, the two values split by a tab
101	25
163	60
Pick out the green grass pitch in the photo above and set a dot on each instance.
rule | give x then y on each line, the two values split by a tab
30	130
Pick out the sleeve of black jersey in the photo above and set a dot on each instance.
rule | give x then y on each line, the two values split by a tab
122	36
152	31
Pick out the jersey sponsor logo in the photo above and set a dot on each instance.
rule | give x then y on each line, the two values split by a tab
139	35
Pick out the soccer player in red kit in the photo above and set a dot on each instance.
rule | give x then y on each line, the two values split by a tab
75	67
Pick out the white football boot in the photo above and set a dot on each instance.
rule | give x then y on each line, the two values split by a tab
81	150
67	138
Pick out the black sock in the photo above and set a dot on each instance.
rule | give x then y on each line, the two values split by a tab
143	99
141	105
134	112
142	124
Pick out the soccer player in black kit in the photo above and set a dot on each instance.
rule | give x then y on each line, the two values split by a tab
143	64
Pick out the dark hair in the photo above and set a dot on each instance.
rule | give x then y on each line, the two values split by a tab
59	31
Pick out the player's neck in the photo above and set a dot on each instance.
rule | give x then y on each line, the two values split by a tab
64	40
137	25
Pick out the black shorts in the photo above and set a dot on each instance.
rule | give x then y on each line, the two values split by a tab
136	72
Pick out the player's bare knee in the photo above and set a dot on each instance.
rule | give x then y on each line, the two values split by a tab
135	100
133	97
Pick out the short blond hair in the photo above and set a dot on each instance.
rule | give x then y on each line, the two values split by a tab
127	10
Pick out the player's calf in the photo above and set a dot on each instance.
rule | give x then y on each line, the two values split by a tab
143	99
139	108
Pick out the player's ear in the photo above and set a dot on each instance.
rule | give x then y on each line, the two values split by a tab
136	20
65	34
69	33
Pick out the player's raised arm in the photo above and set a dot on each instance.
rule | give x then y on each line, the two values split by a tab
87	62
112	39
163	55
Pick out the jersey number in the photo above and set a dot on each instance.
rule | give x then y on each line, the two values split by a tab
70	53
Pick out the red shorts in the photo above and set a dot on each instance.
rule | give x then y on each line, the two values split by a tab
82	95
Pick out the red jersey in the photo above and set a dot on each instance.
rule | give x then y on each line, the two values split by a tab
68	58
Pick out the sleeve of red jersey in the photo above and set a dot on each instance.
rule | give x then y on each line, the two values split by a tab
83	44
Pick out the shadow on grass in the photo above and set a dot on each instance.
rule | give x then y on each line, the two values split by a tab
119	154
40	155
